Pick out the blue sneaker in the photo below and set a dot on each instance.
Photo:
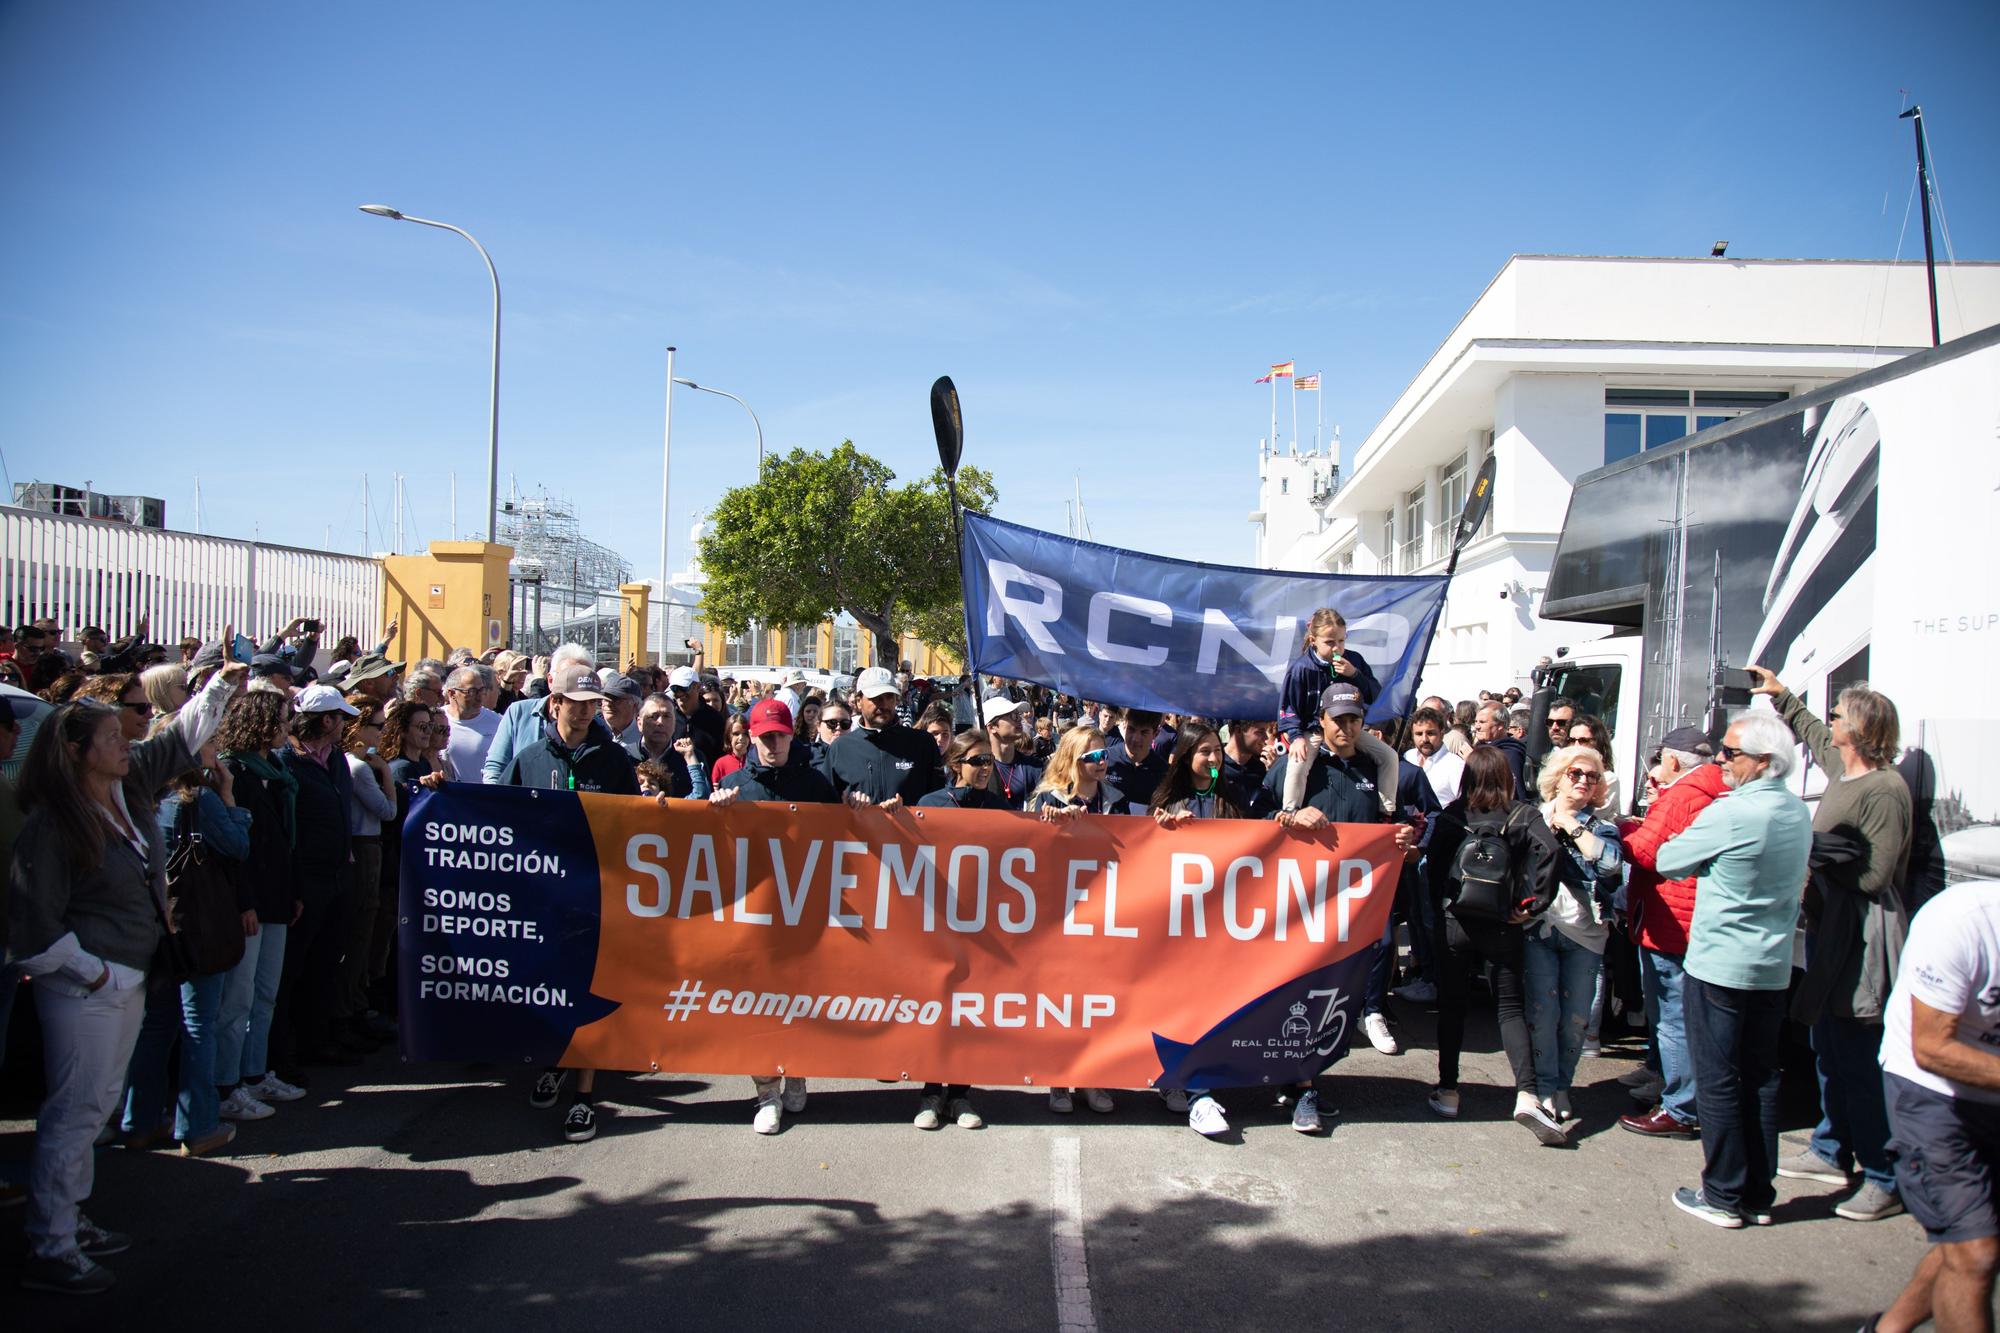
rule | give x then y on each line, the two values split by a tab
1693	1204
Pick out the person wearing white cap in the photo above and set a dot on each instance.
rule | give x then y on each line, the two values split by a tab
703	720
1016	773
322	851
882	763
521	725
793	693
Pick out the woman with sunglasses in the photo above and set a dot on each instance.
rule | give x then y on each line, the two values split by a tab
1589	729
1563	949
1072	786
87	881
123	692
968	763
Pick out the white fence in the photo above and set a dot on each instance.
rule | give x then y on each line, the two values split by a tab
89	572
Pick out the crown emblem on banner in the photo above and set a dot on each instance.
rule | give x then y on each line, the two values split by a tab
1298	1009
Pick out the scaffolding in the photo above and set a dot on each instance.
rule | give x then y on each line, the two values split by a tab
549	545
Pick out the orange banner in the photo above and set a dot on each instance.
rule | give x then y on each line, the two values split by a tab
949	945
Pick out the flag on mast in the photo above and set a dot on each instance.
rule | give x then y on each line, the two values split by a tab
1282	370
1304	382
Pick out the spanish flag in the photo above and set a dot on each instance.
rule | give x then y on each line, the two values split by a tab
1282	370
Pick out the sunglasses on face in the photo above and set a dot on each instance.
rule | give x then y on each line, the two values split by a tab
1581	775
978	760
1729	752
834	723
1833	715
142	708
1093	756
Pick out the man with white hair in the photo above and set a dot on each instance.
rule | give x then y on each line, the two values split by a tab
521	725
1749	856
473	724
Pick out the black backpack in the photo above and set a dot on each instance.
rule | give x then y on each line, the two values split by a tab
1483	868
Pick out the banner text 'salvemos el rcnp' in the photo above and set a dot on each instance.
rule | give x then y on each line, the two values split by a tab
961	946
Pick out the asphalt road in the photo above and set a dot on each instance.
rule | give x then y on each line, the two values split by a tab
424	1196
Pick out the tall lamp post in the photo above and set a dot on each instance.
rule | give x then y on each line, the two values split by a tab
493	404
666	467
723	393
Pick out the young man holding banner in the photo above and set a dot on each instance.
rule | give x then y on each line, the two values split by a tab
769	775
1337	788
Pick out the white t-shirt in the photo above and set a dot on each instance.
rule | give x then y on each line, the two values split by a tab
469	742
1951	962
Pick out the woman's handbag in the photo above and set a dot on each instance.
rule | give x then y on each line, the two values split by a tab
204	929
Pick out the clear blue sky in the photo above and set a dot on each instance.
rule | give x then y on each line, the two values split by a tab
1102	222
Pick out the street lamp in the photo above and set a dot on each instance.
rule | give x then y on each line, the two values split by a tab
724	393
493	406
666	471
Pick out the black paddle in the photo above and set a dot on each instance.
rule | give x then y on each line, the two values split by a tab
949	423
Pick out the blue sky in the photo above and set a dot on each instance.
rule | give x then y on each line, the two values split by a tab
1103	223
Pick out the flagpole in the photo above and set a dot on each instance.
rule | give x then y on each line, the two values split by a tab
1274	411
1319	396
1295	412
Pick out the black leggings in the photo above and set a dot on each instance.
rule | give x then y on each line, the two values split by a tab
1461	946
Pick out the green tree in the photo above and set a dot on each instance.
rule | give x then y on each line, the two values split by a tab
821	533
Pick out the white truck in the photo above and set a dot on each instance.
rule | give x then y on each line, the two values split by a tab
1849	534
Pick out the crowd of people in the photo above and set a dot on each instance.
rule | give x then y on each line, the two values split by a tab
1521	875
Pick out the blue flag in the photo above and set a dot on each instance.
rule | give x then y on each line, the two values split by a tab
1146	631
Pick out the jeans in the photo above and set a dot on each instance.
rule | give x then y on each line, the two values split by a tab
87	1041
10	986
1559	976
1381	969
1733	1037
249	997
1666	986
1854	1122
1460	947
188	1010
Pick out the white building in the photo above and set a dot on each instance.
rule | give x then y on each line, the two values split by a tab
1562	365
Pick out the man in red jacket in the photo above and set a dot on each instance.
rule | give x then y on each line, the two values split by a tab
1685	782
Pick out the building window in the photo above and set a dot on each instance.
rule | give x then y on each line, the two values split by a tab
1410	553
1468	643
1284	485
1343	563
802	647
1638	419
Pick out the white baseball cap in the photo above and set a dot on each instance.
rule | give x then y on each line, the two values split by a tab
323	699
682	678
999	707
875	682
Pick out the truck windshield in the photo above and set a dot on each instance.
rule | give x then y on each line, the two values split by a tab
1594	688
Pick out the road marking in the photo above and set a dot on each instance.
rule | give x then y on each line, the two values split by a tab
1066	1254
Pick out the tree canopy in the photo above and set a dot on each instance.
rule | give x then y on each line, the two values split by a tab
821	533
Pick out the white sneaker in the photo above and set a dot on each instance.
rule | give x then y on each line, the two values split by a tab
1061	1101
963	1115
1379	1036
1535	1118
1443	1102
770	1117
1177	1100
794	1096
1592	1048
928	1116
1205	1117
271	1088
1558	1106
1098	1100
240	1105
1305	1113
1418	992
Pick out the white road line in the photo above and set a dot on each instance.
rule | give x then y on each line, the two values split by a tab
1066	1253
